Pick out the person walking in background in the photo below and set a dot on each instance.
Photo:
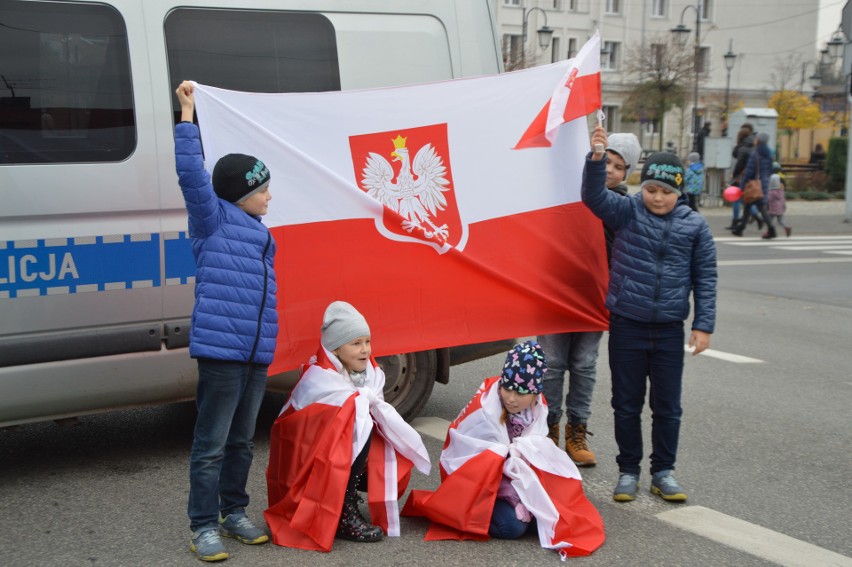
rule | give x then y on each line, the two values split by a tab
663	250
577	353
694	179
776	200
759	167
702	135
234	330
741	153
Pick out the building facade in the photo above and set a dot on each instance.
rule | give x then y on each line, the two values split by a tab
775	44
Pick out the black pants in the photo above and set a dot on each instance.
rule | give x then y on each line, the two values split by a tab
358	467
761	211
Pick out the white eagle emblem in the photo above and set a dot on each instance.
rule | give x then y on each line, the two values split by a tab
418	192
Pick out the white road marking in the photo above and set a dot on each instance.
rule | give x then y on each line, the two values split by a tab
780	261
434	427
752	539
757	241
738	358
810	246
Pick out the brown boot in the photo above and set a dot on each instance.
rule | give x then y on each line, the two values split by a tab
575	445
553	434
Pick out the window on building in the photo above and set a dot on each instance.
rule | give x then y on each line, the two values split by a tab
512	2
613	6
703	60
572	5
609	59
557	5
612	117
659	8
554	50
572	47
513	50
707	9
66	94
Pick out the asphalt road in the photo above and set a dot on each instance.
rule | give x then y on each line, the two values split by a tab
764	449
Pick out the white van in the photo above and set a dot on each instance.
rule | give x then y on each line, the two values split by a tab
96	272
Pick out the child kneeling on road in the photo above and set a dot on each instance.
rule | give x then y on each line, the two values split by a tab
334	428
663	251
501	476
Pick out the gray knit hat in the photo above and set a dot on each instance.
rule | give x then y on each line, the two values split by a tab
627	146
342	323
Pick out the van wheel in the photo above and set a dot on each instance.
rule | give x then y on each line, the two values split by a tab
409	379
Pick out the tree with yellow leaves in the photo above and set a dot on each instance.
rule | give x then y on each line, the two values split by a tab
795	110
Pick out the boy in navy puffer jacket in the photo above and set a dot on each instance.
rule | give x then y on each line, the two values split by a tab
234	329
663	250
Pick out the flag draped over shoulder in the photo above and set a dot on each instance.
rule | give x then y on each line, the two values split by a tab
478	452
448	213
322	428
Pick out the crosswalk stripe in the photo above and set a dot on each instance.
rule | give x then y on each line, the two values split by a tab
771	261
752	539
726	356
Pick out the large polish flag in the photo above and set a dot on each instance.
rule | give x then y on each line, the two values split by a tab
448	213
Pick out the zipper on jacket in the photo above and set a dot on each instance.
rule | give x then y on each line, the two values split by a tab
660	263
262	301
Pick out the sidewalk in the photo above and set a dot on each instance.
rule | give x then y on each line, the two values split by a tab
807	218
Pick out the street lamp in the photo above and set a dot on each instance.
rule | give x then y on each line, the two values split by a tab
545	33
730	58
680	34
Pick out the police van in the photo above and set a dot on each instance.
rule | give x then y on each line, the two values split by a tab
96	271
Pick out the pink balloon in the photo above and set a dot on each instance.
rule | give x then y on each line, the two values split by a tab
732	193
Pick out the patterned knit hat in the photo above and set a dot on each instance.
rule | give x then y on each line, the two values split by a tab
664	169
236	177
524	368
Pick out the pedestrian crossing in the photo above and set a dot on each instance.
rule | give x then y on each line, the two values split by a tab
830	249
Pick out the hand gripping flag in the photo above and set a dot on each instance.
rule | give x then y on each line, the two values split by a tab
449	213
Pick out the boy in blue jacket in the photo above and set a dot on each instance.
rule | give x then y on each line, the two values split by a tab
234	329
663	250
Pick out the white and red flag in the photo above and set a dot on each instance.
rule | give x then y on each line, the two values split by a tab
478	453
448	213
322	428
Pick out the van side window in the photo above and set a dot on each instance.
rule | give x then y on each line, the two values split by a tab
65	88
256	51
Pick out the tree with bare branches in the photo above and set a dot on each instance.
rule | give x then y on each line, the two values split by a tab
663	73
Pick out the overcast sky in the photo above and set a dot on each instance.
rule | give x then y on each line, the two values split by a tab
829	19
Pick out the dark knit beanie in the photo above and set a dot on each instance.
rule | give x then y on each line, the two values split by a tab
665	169
524	368
237	177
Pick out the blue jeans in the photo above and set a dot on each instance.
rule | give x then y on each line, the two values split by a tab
228	399
505	524
577	354
640	351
